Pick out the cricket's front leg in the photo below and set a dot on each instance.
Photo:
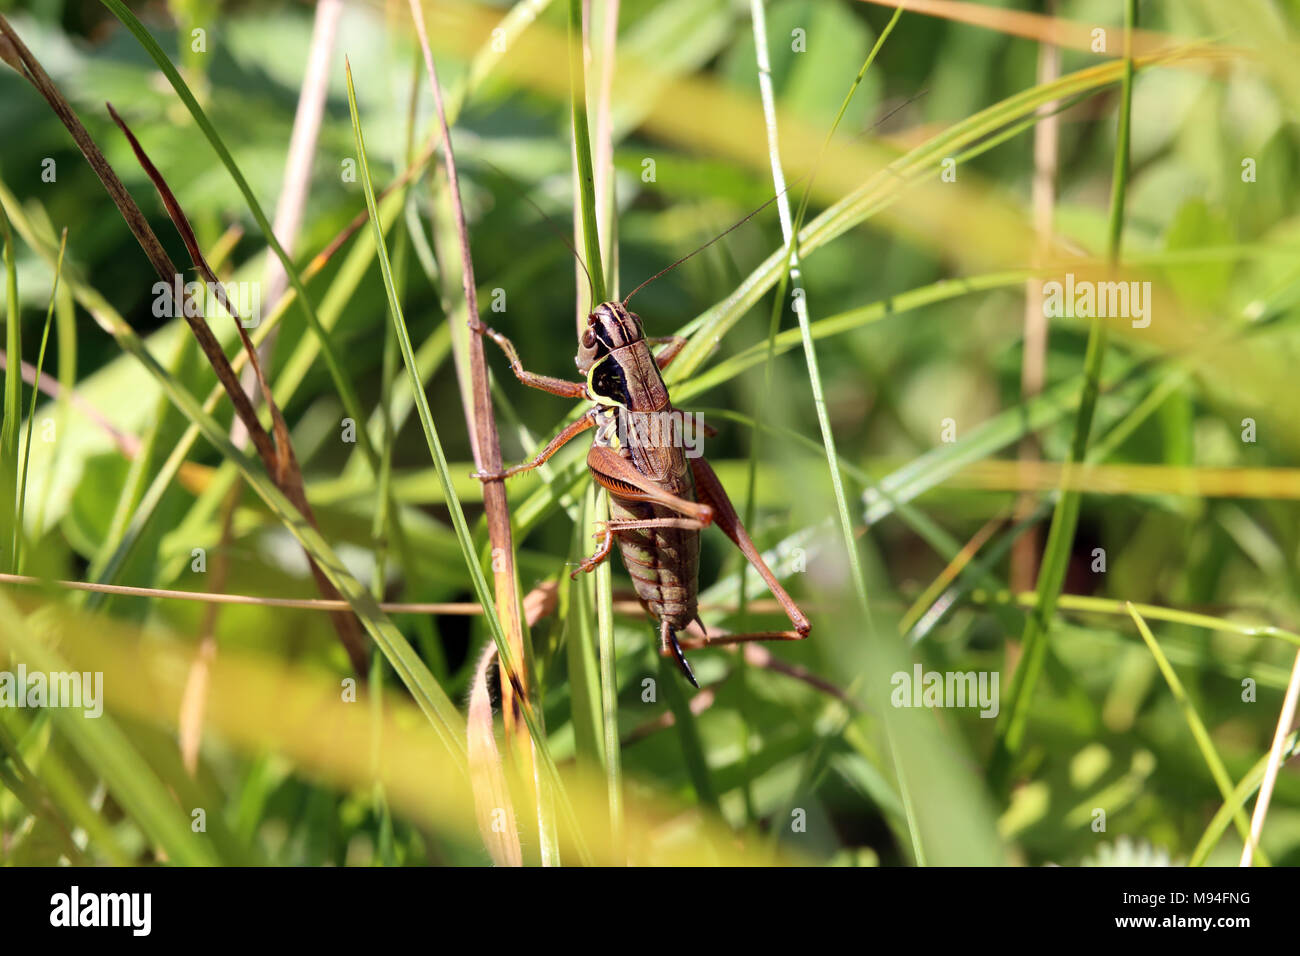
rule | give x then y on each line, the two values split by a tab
547	383
559	441
711	492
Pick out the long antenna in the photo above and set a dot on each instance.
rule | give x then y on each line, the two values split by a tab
550	223
884	119
706	245
737	225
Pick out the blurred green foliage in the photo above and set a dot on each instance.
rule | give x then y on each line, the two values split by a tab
1104	730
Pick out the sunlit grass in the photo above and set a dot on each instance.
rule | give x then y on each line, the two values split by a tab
914	293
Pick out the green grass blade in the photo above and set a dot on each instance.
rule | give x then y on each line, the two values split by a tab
31	415
13	401
1194	723
66	791
1244	790
341	382
928	469
106	748
881	190
1084	604
65	320
465	539
778	301
1065	518
287	380
790	277
613	764
582	152
431	698
604	591
577	611
128	511
421	401
31	792
697	765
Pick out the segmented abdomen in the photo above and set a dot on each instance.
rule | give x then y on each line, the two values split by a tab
664	563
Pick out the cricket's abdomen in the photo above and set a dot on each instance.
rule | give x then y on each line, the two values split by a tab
663	563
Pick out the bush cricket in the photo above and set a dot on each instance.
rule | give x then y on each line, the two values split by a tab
659	498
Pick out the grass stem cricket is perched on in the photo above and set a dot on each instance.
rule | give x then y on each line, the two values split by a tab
660	498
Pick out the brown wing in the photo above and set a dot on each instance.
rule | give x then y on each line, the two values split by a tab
621	478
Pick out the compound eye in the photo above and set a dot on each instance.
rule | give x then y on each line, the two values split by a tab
588	338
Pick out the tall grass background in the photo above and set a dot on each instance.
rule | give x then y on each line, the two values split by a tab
864	346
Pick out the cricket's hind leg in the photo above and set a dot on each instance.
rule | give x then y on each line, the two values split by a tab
711	493
669	647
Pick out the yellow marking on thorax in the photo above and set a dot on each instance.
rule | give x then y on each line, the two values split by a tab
613	435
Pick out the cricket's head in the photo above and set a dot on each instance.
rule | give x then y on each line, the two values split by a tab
610	326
